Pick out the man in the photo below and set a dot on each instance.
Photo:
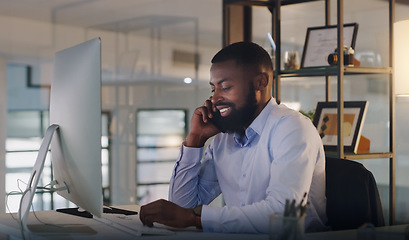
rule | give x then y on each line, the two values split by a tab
262	154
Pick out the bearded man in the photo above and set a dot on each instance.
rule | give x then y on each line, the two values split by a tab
261	155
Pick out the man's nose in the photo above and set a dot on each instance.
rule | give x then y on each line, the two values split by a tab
216	97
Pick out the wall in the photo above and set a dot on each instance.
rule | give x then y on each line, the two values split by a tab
146	57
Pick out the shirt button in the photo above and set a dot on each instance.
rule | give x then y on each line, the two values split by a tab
244	175
242	204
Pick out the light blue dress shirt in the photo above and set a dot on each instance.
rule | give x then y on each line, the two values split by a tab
280	157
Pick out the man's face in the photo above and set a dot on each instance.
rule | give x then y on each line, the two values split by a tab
233	96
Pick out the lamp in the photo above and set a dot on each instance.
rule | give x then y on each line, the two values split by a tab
401	57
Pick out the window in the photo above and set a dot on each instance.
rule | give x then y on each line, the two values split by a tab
25	134
160	132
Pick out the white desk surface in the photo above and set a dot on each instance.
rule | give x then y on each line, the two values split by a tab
9	229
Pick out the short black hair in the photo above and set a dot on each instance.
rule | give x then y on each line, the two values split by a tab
245	54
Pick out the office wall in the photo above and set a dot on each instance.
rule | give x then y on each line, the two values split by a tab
134	56
137	72
3	129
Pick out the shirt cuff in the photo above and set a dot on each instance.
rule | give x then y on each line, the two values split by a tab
189	155
208	215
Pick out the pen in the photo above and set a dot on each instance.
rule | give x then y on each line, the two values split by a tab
303	198
287	207
293	210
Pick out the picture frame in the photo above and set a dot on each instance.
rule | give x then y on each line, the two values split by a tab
322	41
326	122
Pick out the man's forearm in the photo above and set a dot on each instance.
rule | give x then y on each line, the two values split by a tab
191	175
183	188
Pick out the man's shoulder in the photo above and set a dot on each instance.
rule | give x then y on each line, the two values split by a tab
283	120
282	113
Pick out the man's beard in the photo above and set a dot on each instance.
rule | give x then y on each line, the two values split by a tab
238	119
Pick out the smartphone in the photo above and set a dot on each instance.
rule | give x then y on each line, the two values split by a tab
217	120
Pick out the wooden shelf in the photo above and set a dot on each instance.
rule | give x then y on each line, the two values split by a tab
332	71
352	156
266	3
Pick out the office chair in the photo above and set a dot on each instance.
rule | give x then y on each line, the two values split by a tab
352	195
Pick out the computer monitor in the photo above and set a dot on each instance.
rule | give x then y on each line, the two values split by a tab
75	119
75	106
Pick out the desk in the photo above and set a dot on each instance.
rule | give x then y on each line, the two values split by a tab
396	232
9	229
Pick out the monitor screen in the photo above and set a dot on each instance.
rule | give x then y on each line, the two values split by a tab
75	106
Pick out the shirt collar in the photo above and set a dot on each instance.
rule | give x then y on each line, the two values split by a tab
256	127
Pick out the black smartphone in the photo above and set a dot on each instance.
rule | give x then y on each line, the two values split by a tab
217	120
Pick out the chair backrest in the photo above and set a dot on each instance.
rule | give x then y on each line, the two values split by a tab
352	195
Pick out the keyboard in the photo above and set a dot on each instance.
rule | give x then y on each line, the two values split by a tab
131	224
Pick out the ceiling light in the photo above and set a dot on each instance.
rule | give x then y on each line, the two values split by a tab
187	80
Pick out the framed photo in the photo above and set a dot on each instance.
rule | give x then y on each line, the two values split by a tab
321	41
326	122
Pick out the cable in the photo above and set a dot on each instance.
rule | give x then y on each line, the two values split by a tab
18	185
19	220
7	205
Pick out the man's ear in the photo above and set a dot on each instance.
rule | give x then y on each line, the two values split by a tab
261	81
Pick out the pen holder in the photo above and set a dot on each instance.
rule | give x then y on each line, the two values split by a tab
286	227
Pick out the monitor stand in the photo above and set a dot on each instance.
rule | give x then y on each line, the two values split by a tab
28	195
55	229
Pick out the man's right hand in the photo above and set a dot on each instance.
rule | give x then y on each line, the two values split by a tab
201	128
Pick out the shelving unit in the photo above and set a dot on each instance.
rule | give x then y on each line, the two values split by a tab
237	17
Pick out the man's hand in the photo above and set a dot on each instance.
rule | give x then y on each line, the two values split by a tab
201	128
167	213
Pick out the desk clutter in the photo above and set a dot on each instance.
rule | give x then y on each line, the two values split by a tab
289	225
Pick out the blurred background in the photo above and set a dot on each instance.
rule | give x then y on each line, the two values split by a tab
155	72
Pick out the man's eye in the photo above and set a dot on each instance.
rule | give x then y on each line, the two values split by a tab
226	88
